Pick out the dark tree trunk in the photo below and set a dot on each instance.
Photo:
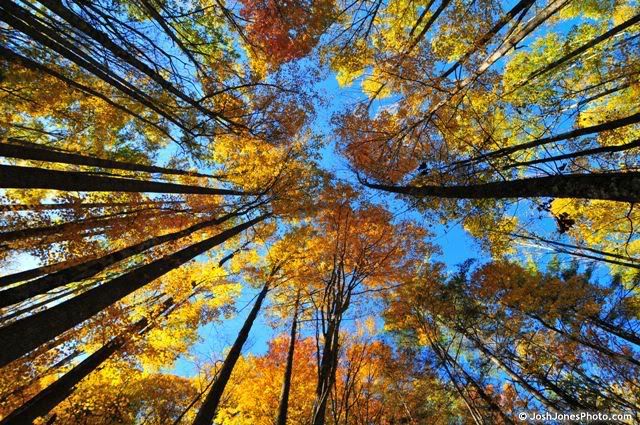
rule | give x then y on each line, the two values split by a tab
578	132
442	353
121	53
43	402
283	406
25	22
523	381
30	64
83	206
93	267
52	395
75	228
210	405
626	259
576	251
583	48
521	7
623	187
616	330
603	149
24	335
10	279
432	19
42	153
169	31
326	375
510	42
14	177
585	342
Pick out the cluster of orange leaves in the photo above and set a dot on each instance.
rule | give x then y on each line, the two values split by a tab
285	30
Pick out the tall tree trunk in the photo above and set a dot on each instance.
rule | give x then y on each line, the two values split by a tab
104	40
150	8
24	335
583	48
74	228
509	43
578	132
25	22
91	268
587	152
35	152
460	389
82	206
444	356
10	279
585	342
615	330
210	405
627	260
521	7
623	187
14	177
432	19
283	406
43	402
30	64
511	372
326	375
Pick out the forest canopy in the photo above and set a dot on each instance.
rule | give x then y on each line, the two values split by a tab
318	212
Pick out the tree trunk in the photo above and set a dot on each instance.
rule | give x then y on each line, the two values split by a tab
286	384
583	48
10	279
34	152
121	53
521	7
326	374
43	402
509	43
24	335
425	29
210	405
14	177
578	132
512	373
627	260
580	340
169	31
602	149
82	206
25	22
623	187
444	356
30	64
93	267
615	330
78	227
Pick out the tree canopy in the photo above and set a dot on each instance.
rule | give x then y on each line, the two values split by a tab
180	178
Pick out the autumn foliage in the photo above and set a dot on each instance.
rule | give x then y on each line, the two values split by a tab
285	30
318	212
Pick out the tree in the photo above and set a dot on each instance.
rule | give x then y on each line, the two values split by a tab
28	333
489	313
212	400
283	406
352	260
